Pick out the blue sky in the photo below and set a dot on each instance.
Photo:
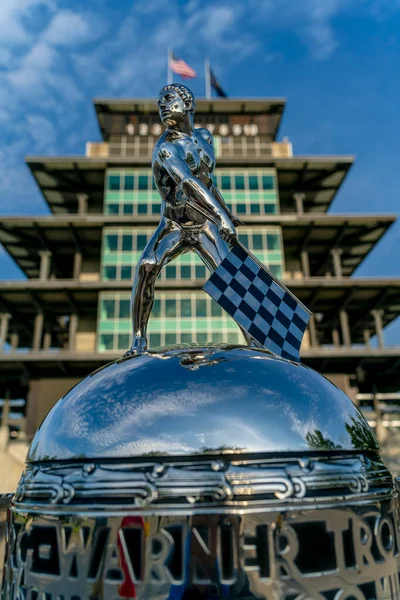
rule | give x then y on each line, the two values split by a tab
336	62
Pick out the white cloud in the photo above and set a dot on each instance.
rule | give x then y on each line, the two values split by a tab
69	28
13	14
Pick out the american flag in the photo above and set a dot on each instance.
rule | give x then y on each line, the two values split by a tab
179	66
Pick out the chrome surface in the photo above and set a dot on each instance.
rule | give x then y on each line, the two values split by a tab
187	487
344	553
194	215
200	401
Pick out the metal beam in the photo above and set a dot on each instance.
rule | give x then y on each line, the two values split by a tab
336	241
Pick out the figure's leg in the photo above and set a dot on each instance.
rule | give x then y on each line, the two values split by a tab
164	245
212	249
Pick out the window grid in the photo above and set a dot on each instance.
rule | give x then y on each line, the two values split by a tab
122	247
176	318
249	192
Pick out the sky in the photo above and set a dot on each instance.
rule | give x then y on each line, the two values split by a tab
336	61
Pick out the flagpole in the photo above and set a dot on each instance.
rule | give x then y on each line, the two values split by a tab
169	77
207	78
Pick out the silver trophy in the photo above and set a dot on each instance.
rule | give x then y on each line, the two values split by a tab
204	473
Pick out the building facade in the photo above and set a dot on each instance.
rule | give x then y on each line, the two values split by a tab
72	313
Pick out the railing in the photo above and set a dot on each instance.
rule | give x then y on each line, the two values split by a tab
227	147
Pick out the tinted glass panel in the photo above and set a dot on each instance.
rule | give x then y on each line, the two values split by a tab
143	182
113	182
124	309
111	272
128	209
123	341
200	271
186	308
225	182
156	312
170	272
239	182
201	308
253	182
112	242
109	307
170	339
257	242
268	182
126	272
106	340
127	243
272	241
170	308
128	185
141	241
186	272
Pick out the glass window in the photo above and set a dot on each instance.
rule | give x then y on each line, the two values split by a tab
200	271
170	308
141	241
272	241
170	339
270	209
186	272
232	338
114	182
276	270
126	272
143	182
154	187
217	336
170	272
201	338
124	309
268	182
257	241
107	341
128	209
229	205
201	308
127	243
156	312
239	182
155	209
109	307
128	183
113	209
186	338
244	239
216	310
255	209
110	272
253	182
186	308
225	182
112	242
123	341
155	340
142	209
241	209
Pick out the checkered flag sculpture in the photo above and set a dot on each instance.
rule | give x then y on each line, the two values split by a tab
259	303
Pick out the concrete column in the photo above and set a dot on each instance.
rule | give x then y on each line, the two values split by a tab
4	319
377	314
313	332
337	262
46	340
14	341
344	325
77	265
336	337
73	326
45	264
305	263
82	204
299	201
367	336
37	332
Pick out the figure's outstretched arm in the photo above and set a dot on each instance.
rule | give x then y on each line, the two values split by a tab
194	189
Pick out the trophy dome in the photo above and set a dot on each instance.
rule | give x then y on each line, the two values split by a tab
194	401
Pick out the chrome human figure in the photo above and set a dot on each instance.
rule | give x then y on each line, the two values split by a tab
194	215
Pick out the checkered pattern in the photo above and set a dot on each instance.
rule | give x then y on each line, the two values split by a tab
259	302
